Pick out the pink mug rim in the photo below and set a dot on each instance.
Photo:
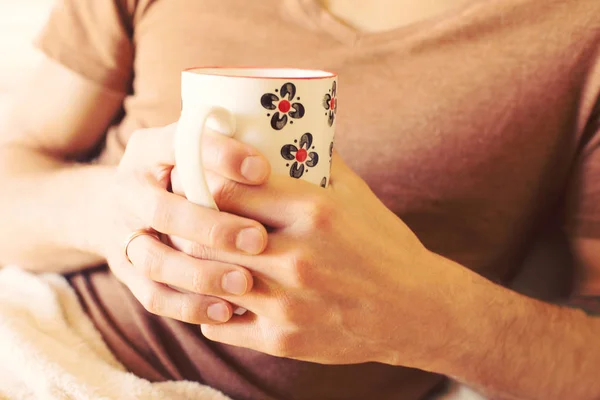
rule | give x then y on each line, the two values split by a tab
326	74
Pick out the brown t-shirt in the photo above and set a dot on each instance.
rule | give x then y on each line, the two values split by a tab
478	128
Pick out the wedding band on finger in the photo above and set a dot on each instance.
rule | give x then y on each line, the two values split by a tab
136	234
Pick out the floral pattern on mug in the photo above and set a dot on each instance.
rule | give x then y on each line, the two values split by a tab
302	156
324	182
330	103
284	105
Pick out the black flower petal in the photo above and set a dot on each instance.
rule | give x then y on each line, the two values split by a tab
298	111
331	117
326	101
313	159
288	89
267	100
278	121
306	141
331	150
324	182
296	170
334	89
287	150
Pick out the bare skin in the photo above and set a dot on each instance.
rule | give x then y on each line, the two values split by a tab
63	216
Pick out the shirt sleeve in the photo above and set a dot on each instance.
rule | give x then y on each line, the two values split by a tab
583	201
92	38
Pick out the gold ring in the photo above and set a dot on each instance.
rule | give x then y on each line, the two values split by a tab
138	233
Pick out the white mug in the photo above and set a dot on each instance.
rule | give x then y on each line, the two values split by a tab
287	114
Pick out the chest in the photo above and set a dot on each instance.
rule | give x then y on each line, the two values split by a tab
464	140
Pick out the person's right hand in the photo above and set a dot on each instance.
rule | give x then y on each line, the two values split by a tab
141	199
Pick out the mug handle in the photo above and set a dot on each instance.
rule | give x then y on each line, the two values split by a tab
188	154
188	149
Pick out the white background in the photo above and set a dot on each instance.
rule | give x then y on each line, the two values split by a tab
20	21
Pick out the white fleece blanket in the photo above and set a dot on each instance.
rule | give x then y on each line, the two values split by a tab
49	349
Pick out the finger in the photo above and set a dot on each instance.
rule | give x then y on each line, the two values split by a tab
190	308
233	159
268	265
271	276
161	263
161	300
278	203
243	331
174	215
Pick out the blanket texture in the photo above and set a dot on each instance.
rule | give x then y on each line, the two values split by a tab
49	349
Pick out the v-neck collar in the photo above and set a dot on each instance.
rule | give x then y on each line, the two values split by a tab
320	18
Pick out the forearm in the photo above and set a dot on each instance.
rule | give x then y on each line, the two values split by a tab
49	210
513	347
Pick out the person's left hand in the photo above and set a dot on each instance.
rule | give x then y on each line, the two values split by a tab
343	280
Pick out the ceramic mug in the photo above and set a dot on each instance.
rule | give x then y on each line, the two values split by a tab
287	114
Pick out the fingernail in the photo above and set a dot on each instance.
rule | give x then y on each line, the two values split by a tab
250	240
218	312
254	168
234	283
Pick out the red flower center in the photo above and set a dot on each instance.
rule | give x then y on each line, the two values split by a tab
284	106
301	155
332	104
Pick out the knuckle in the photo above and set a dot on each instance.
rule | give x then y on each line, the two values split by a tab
187	311
160	214
300	269
290	310
153	262
319	213
214	233
200	283
225	192
202	252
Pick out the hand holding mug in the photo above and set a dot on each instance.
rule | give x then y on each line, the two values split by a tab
141	200
336	258
278	117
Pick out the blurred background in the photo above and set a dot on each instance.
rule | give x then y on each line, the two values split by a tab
20	21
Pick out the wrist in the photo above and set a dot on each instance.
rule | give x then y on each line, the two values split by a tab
490	328
458	323
475	315
463	319
443	317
